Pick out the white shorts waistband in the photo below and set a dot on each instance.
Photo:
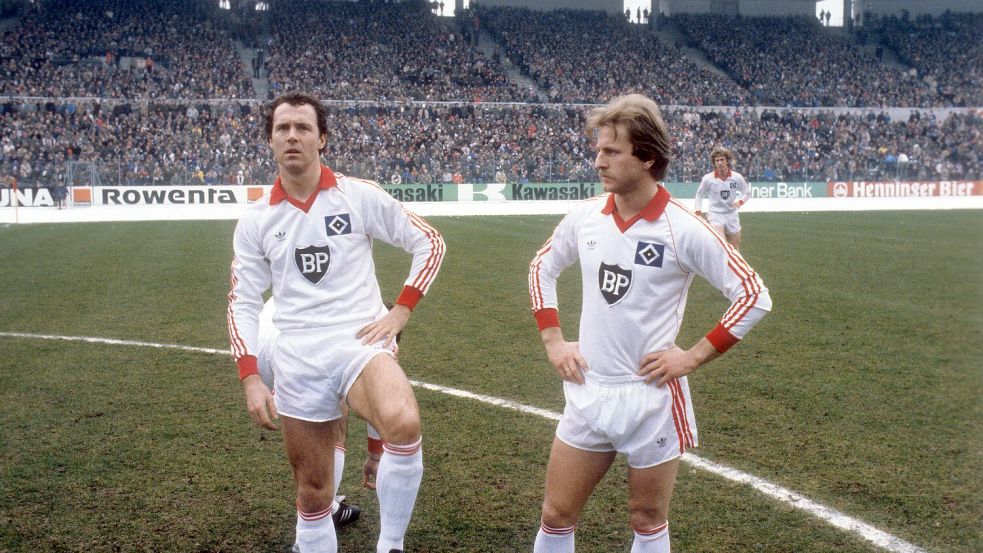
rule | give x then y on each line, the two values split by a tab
610	380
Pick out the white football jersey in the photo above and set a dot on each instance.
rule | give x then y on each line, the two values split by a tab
725	194
635	277
317	257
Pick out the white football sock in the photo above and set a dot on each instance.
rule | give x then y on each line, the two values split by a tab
315	532
554	540
397	483
655	540
339	470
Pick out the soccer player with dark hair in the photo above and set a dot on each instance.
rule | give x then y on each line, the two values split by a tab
310	241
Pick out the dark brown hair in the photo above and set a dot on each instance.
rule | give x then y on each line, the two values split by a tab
299	99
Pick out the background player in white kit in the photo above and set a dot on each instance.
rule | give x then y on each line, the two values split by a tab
625	381
310	240
726	191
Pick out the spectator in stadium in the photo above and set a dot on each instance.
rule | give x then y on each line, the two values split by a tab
59	193
726	191
337	337
625	380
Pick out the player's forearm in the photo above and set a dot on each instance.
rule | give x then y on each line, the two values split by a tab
551	335
703	352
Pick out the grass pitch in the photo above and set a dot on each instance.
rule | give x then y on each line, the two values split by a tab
861	390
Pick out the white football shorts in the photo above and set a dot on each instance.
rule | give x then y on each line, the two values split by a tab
648	423
729	220
311	371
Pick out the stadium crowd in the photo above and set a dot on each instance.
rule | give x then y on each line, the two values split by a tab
794	62
126	87
211	143
381	51
590	57
946	51
121	49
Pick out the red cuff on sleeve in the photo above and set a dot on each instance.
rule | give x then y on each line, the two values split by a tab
247	366
375	446
409	297
547	317
721	339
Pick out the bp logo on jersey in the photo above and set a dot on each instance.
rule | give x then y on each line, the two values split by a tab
339	224
724	194
649	254
614	282
313	262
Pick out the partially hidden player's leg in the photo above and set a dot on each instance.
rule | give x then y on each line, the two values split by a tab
308	446
571	476
382	395
733	231
649	493
343	512
341	435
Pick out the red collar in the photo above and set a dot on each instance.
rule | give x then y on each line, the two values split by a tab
650	212
278	194
721	177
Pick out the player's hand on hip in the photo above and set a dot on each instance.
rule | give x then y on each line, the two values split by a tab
662	366
387	327
259	402
567	360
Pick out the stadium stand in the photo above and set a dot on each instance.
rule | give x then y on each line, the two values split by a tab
211	143
381	51
590	57
127	86
795	62
946	52
121	49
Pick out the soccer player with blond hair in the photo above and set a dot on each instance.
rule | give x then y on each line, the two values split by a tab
625	380
725	191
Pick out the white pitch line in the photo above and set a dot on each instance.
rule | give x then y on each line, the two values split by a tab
840	520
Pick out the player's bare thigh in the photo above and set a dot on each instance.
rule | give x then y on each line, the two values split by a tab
571	476
383	396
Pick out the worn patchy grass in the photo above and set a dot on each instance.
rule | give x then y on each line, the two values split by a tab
861	390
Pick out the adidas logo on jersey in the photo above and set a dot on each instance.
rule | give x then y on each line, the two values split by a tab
313	262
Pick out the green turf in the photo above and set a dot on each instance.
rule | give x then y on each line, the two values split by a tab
862	390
